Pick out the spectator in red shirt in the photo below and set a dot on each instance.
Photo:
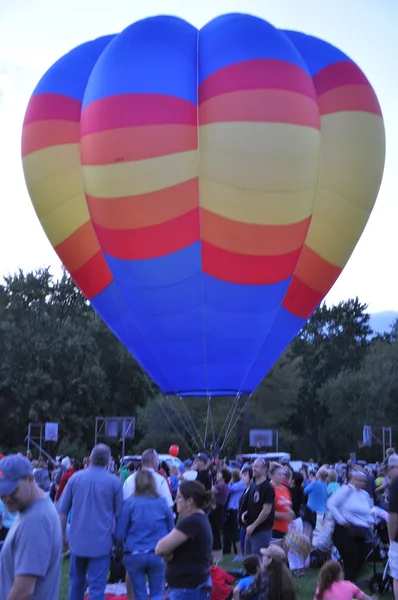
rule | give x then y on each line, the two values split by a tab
73	467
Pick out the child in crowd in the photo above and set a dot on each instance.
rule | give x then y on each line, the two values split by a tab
274	580
331	585
222	583
251	565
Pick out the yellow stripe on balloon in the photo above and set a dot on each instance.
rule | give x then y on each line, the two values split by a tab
252	207
353	146
141	176
66	219
55	184
259	173
53	175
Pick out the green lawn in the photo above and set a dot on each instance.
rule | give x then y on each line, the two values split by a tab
305	586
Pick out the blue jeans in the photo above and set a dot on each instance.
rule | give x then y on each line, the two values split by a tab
203	592
256	541
95	570
141	566
242	536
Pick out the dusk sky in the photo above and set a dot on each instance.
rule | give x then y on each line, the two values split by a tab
35	33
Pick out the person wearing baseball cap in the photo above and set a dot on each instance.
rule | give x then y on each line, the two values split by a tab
203	476
30	560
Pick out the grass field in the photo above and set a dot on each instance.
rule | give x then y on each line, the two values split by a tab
305	586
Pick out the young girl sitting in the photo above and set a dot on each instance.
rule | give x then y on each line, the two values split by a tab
331	586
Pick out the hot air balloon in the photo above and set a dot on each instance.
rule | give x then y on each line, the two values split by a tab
204	188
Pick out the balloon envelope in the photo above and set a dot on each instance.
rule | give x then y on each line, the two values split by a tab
174	450
204	188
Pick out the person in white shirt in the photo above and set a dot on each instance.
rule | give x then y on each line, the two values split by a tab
350	507
150	462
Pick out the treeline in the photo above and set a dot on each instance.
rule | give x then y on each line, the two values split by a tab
59	362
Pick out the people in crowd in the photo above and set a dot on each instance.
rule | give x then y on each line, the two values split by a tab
274	580
231	535
317	495
200	465
297	493
41	475
259	517
222	583
247	478
333	485
251	564
392	523
217	514
150	462
7	518
283	502
350	506
30	560
174	481
187	549
72	468
144	519
331	585
95	498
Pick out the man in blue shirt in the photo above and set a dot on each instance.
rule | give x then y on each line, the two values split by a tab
95	498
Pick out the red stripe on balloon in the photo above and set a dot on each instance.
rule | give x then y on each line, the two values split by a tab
300	299
244	269
357	98
93	277
52	107
260	106
131	110
150	242
337	75
255	75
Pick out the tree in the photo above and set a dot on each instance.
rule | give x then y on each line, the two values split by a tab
364	396
60	363
334	340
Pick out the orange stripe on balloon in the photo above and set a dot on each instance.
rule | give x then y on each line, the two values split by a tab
264	106
359	98
316	272
137	143
300	299
250	239
94	276
150	242
44	134
79	247
145	210
244	269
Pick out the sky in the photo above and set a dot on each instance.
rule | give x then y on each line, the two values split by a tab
35	33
